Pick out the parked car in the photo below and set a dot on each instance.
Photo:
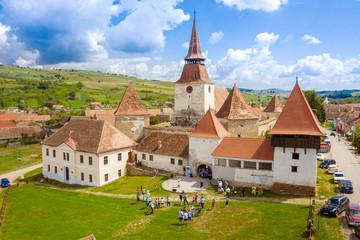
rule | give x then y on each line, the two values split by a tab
326	163
335	205
324	148
357	229
338	175
333	168
345	186
5	182
352	214
320	157
327	140
332	134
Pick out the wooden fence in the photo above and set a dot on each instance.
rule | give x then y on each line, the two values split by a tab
309	231
5	201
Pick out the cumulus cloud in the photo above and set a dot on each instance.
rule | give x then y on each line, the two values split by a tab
310	39
265	5
185	45
74	31
216	37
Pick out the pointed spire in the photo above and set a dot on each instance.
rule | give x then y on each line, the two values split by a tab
194	55
275	105
130	103
209	127
297	118
235	107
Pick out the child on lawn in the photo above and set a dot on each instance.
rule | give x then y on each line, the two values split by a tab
213	204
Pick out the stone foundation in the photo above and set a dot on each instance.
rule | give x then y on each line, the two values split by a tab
186	118
145	171
294	189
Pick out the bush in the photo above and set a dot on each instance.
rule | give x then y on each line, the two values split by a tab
154	120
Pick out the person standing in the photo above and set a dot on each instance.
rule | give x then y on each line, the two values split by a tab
185	217
178	179
253	190
143	193
138	197
185	200
168	204
181	215
235	191
180	198
156	185
147	201
242	190
152	207
196	197
226	202
228	192
202	201
201	185
213	205
162	202
260	191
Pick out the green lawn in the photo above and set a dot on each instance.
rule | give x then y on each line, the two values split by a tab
38	212
325	183
9	157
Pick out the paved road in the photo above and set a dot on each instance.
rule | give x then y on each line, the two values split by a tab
14	175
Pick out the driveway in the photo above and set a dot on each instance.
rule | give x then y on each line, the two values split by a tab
15	174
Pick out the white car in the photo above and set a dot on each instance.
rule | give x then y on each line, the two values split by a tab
320	157
327	140
333	168
338	176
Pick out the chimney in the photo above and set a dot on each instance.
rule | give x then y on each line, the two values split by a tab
159	144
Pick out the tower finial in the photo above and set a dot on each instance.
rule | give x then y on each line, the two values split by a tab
194	13
296	79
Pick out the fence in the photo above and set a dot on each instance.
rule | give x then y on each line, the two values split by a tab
309	228
5	201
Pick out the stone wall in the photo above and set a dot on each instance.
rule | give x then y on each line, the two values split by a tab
165	129
144	171
132	126
186	118
245	128
293	189
266	125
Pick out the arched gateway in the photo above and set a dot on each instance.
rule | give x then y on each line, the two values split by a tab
204	171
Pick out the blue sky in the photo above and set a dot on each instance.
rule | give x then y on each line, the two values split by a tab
256	44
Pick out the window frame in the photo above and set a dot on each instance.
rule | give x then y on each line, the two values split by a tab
119	173
180	161
47	151
143	156
119	157
90	160
55	169
81	158
49	168
151	157
172	161
90	178
106	160
54	153
296	156
82	176
106	177
294	169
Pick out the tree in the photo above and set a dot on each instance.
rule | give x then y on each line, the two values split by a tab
22	105
154	120
80	85
315	102
72	95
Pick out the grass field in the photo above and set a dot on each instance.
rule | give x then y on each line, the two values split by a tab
9	157
38	212
325	183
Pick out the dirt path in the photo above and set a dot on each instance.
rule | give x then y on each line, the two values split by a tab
15	174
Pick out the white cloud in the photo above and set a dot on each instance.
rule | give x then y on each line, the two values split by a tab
265	5
185	45
288	38
216	37
310	39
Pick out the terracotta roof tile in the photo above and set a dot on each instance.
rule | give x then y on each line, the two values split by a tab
209	127
171	144
110	118
248	148
194	52
91	113
256	110
167	111
130	103
89	135
195	74
275	105
153	112
235	107
8	116
15	132
220	94
7	123
297	118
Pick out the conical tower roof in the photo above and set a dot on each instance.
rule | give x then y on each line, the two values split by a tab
297	118
194	47
130	103
275	105
235	107
209	127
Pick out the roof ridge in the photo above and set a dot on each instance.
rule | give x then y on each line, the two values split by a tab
101	135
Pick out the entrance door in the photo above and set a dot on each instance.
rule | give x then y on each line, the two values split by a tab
67	178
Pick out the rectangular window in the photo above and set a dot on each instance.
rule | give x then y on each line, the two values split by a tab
144	156
234	164
222	162
106	177
48	168
296	156
180	162
64	156
47	152
90	178
55	169
54	153
294	168
119	173
119	157
249	165
90	160
82	176
172	160
105	160
265	166
81	158
151	157
67	156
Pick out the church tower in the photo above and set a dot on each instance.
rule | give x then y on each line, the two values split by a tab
194	91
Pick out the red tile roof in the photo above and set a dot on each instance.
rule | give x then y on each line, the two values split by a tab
209	127
110	118
7	123
171	144
220	94
15	132
195	74
275	105
297	118
8	116
24	117
256	110
235	107
130	103
247	148
91	113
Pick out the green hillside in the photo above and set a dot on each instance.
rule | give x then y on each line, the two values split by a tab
24	87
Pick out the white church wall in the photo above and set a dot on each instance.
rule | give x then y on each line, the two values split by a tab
200	150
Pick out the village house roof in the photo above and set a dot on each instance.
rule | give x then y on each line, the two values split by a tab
350	116
166	144
8	116
24	117
247	148
297	118
194	52
220	94
153	112
15	132
256	110
57	107
7	123
130	103
92	136
91	113
110	118
275	105
167	111
209	127
235	107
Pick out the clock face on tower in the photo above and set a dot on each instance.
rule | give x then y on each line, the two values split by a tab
189	89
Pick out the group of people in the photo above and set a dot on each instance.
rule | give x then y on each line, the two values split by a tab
155	172
186	216
224	186
205	172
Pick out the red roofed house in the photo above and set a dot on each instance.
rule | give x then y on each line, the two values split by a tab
131	116
87	152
